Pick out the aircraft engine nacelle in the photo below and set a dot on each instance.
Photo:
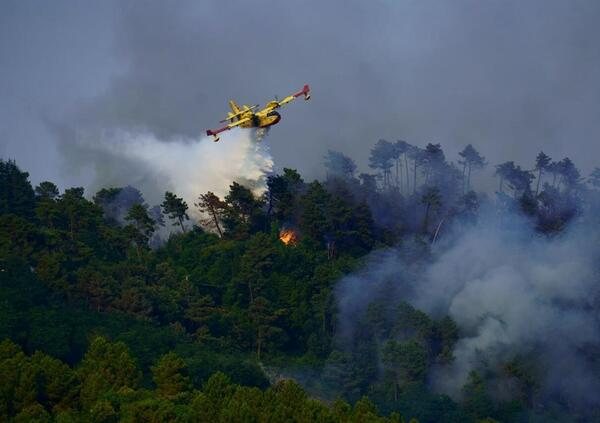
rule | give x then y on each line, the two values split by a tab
306	92
270	119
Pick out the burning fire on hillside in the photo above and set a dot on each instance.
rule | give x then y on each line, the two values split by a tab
288	236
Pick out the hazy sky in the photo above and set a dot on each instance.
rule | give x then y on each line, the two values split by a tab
511	77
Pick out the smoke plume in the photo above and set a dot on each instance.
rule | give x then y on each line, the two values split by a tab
512	293
186	166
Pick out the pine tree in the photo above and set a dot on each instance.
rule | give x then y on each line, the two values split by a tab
16	194
47	208
170	376
433	162
381	158
47	189
401	150
594	178
255	266
282	191
542	161
417	156
262	316
503	171
57	383
471	159
315	219
405	362
106	366
338	164
404	148
433	201
141	228
569	175
243	215
214	208
477	401
175	208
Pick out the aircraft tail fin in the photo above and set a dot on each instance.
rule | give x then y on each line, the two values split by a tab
234	107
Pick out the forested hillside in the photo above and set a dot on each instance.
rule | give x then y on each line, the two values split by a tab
112	308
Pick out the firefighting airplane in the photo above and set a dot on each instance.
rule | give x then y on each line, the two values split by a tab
262	119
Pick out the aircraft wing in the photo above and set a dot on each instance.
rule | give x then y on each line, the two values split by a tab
278	103
232	125
232	116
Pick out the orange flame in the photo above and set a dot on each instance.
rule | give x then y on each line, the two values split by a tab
288	236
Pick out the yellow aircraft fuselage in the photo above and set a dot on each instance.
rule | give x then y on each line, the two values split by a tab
246	117
261	119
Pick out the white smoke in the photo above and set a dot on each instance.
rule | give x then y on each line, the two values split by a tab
514	293
188	167
511	292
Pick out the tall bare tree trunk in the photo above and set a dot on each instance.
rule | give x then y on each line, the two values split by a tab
464	180
407	175
469	178
537	189
426	220
415	178
250	293
215	218
258	344
399	178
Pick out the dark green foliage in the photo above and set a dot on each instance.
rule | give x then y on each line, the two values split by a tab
34	385
175	208
445	337
315	221
432	201
106	367
16	194
433	162
78	276
281	195
244	214
381	158
332	221
338	164
106	198
103	389
470	159
214	210
170	376
542	163
570	176
46	190
19	236
518	180
263	319
116	202
394	348
141	227
416	400
405	361
594	178
477	401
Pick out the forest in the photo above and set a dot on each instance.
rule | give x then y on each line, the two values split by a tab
229	309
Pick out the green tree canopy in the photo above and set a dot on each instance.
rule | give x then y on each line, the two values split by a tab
16	194
175	208
170	376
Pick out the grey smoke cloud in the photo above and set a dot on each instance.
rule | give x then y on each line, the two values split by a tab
187	166
510	77
511	292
